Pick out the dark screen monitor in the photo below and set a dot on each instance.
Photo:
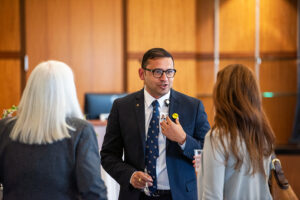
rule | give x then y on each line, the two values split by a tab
99	103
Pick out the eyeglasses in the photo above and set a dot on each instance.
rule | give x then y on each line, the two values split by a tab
157	73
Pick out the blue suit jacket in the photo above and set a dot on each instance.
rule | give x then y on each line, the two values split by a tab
126	132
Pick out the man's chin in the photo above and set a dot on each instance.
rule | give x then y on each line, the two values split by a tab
164	91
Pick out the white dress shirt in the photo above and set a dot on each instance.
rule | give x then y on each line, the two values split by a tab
161	166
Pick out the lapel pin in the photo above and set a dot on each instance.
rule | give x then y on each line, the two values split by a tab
175	115
137	105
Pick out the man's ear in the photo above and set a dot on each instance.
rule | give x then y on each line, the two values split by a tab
141	74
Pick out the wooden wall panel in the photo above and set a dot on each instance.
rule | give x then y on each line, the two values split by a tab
209	108
154	23
280	112
237	26
246	62
37	33
279	76
205	70
205	27
278	26
108	49
9	25
10	86
169	24
278	39
81	47
134	83
205	77
185	78
10	47
87	35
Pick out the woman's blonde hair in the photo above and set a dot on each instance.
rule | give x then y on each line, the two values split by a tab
240	118
48	99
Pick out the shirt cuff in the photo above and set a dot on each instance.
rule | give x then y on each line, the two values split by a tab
182	145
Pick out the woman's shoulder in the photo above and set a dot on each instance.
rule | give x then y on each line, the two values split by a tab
212	134
216	142
6	123
79	127
7	120
78	123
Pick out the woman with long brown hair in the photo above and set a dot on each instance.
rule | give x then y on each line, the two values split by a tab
237	150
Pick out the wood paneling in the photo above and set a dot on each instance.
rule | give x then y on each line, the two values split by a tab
205	64
279	76
9	25
209	108
108	47
205	77
10	53
291	165
278	37
278	25
10	86
205	26
154	23
237	26
134	83
280	112
87	35
246	62
169	24
185	78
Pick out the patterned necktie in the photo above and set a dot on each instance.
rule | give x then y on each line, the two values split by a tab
152	146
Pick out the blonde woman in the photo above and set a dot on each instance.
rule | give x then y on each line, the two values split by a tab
237	150
48	151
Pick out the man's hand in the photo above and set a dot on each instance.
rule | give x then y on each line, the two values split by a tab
173	131
139	179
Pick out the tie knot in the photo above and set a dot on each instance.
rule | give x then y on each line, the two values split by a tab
155	104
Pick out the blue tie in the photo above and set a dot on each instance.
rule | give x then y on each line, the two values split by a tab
152	146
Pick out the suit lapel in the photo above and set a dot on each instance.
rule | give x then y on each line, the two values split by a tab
174	105
140	116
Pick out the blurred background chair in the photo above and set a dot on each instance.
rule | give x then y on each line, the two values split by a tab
96	104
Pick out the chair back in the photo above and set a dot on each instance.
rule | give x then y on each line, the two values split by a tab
99	103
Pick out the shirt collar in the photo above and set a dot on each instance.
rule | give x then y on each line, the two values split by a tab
149	99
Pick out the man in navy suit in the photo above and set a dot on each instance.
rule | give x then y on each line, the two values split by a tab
129	128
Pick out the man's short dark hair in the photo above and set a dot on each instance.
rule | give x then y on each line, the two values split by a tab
155	53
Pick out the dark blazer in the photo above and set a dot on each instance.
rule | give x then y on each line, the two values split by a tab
66	169
126	132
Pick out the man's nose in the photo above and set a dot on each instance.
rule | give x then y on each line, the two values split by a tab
164	76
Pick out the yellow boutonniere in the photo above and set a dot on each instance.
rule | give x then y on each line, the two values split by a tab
175	115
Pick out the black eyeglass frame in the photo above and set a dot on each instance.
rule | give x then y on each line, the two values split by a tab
163	71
